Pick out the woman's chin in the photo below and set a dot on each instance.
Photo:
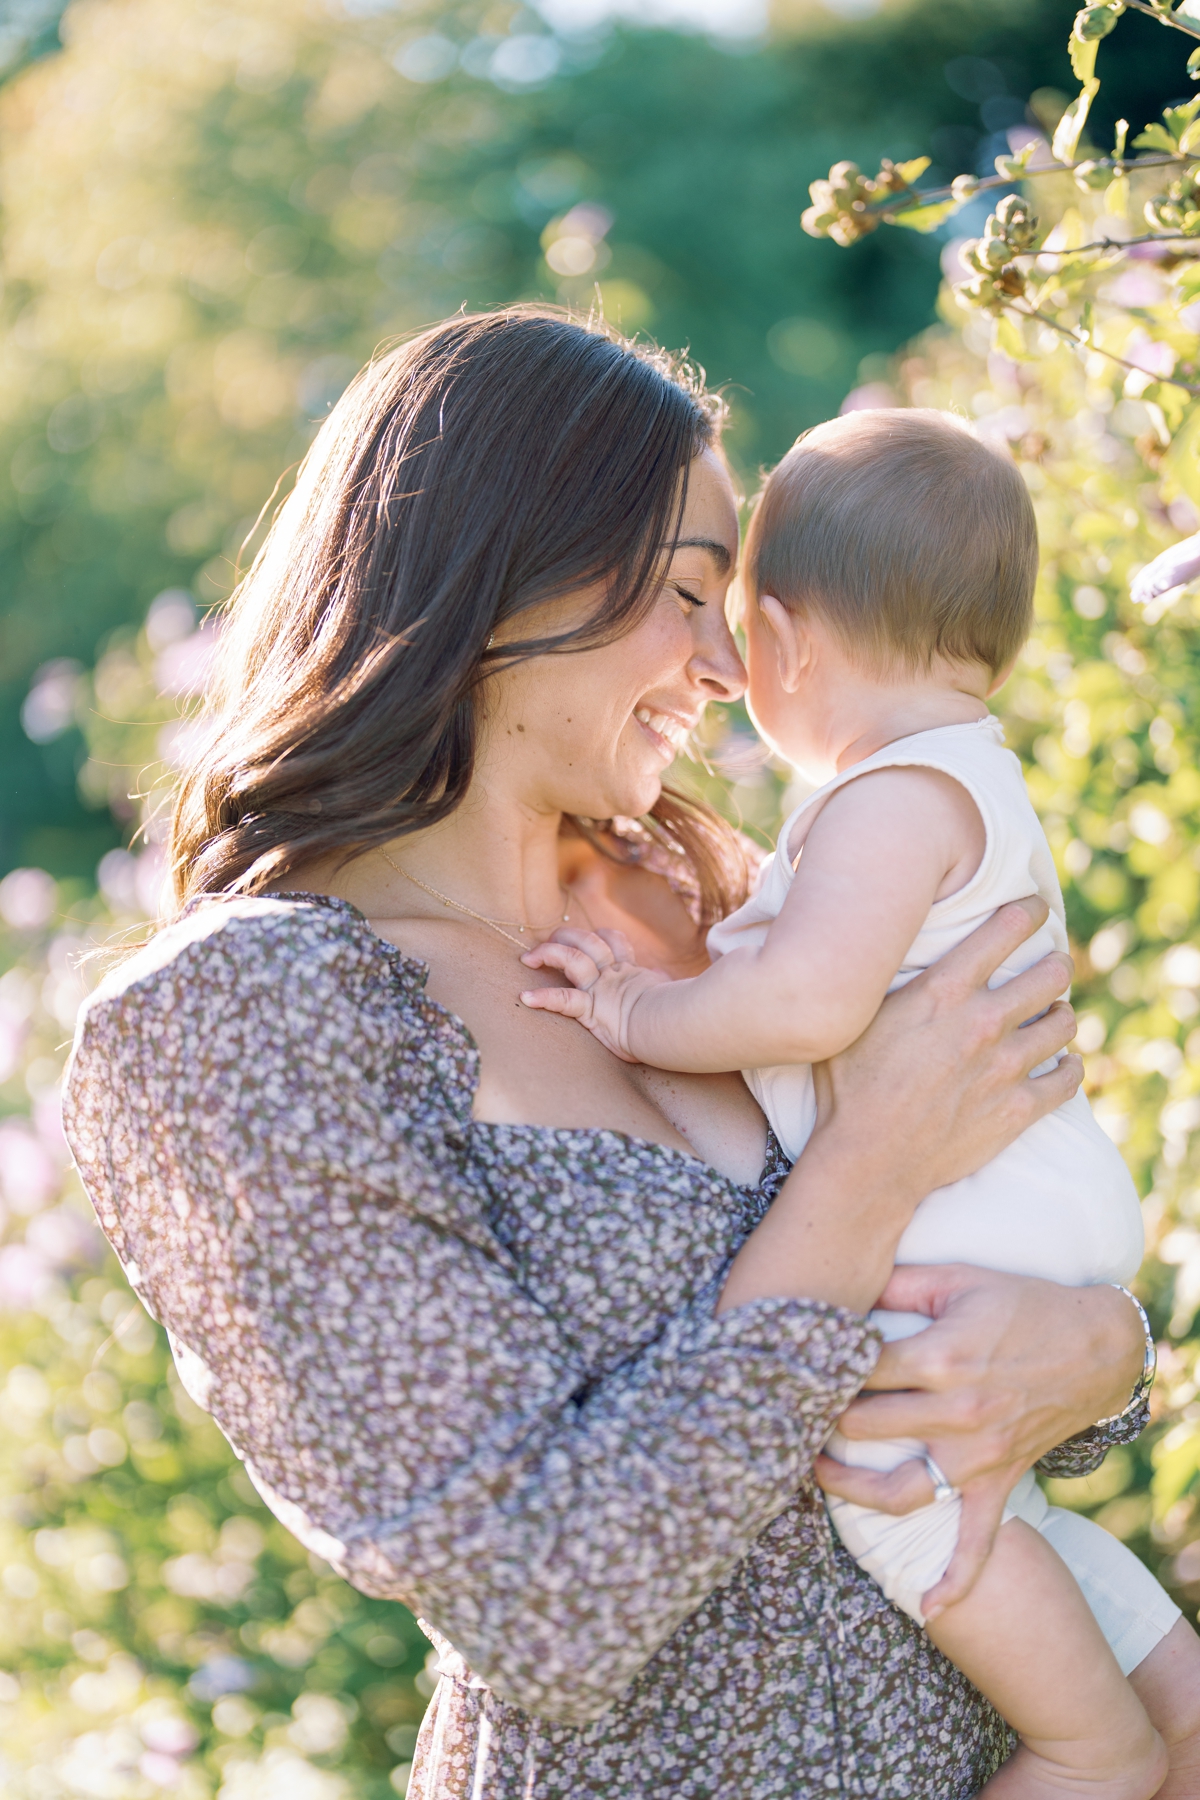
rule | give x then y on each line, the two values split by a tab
623	800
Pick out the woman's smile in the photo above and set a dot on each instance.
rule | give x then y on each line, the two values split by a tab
668	732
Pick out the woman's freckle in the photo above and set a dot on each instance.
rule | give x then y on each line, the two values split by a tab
520	728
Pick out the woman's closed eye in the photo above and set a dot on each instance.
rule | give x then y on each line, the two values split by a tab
686	593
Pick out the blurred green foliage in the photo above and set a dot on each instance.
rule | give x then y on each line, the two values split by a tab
212	214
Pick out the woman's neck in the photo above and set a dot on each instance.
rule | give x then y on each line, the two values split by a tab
492	857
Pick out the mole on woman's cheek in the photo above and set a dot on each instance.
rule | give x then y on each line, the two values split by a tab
520	728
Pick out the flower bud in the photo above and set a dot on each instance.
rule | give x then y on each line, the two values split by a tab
1163	214
980	292
1015	220
847	229
1093	175
963	187
845	178
817	222
1095	22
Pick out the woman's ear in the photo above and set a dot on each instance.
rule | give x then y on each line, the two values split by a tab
790	638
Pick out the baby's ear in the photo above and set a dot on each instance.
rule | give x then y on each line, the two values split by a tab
792	646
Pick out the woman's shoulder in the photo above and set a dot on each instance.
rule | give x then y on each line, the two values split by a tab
309	942
233	977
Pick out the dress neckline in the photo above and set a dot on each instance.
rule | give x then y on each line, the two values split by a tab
419	970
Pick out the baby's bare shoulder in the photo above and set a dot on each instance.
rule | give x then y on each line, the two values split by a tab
881	803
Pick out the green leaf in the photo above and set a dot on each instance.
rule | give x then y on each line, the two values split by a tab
926	217
1008	337
1070	126
1116	197
1190	138
1188	9
1176	403
1083	58
1013	167
1155	138
1178	118
1174	1470
911	171
1193	65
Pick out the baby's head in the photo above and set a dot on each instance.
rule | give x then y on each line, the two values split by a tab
899	543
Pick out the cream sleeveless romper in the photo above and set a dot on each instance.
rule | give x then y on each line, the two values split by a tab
1058	1203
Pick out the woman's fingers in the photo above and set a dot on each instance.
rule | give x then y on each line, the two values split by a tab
1034	991
922	1288
900	1490
1056	1086
1040	1039
970	964
979	1521
920	1415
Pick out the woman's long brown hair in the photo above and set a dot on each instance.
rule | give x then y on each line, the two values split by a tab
480	469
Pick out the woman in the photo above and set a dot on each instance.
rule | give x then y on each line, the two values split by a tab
540	1343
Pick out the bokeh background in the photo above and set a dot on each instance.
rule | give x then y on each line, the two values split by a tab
212	212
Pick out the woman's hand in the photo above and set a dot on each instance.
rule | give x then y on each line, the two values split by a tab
1010	1368
937	1085
939	1080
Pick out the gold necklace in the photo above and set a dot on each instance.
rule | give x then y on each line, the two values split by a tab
492	924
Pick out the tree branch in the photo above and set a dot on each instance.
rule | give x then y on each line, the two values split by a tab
1153	12
1151	237
1080	343
927	196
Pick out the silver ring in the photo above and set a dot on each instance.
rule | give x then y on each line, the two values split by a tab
942	1489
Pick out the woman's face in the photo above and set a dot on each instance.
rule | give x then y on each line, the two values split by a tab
593	732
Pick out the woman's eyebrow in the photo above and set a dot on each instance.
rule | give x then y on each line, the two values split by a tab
718	551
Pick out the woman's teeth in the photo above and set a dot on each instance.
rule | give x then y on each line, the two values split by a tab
664	726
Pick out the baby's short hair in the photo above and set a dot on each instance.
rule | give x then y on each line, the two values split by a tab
908	535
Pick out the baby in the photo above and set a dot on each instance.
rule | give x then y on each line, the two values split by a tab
889	587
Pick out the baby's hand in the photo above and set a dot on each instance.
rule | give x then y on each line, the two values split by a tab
606	983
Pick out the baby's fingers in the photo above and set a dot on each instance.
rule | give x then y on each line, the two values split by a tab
570	1002
578	967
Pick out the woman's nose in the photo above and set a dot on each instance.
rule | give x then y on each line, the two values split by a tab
715	662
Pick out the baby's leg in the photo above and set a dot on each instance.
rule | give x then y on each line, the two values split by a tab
1027	1639
1167	1682
1154	1646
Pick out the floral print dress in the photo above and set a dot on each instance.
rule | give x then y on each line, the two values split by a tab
477	1367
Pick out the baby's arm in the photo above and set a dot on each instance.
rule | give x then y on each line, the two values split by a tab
876	856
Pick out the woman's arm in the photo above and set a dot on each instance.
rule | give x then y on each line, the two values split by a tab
1011	1369
935	1087
275	1140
